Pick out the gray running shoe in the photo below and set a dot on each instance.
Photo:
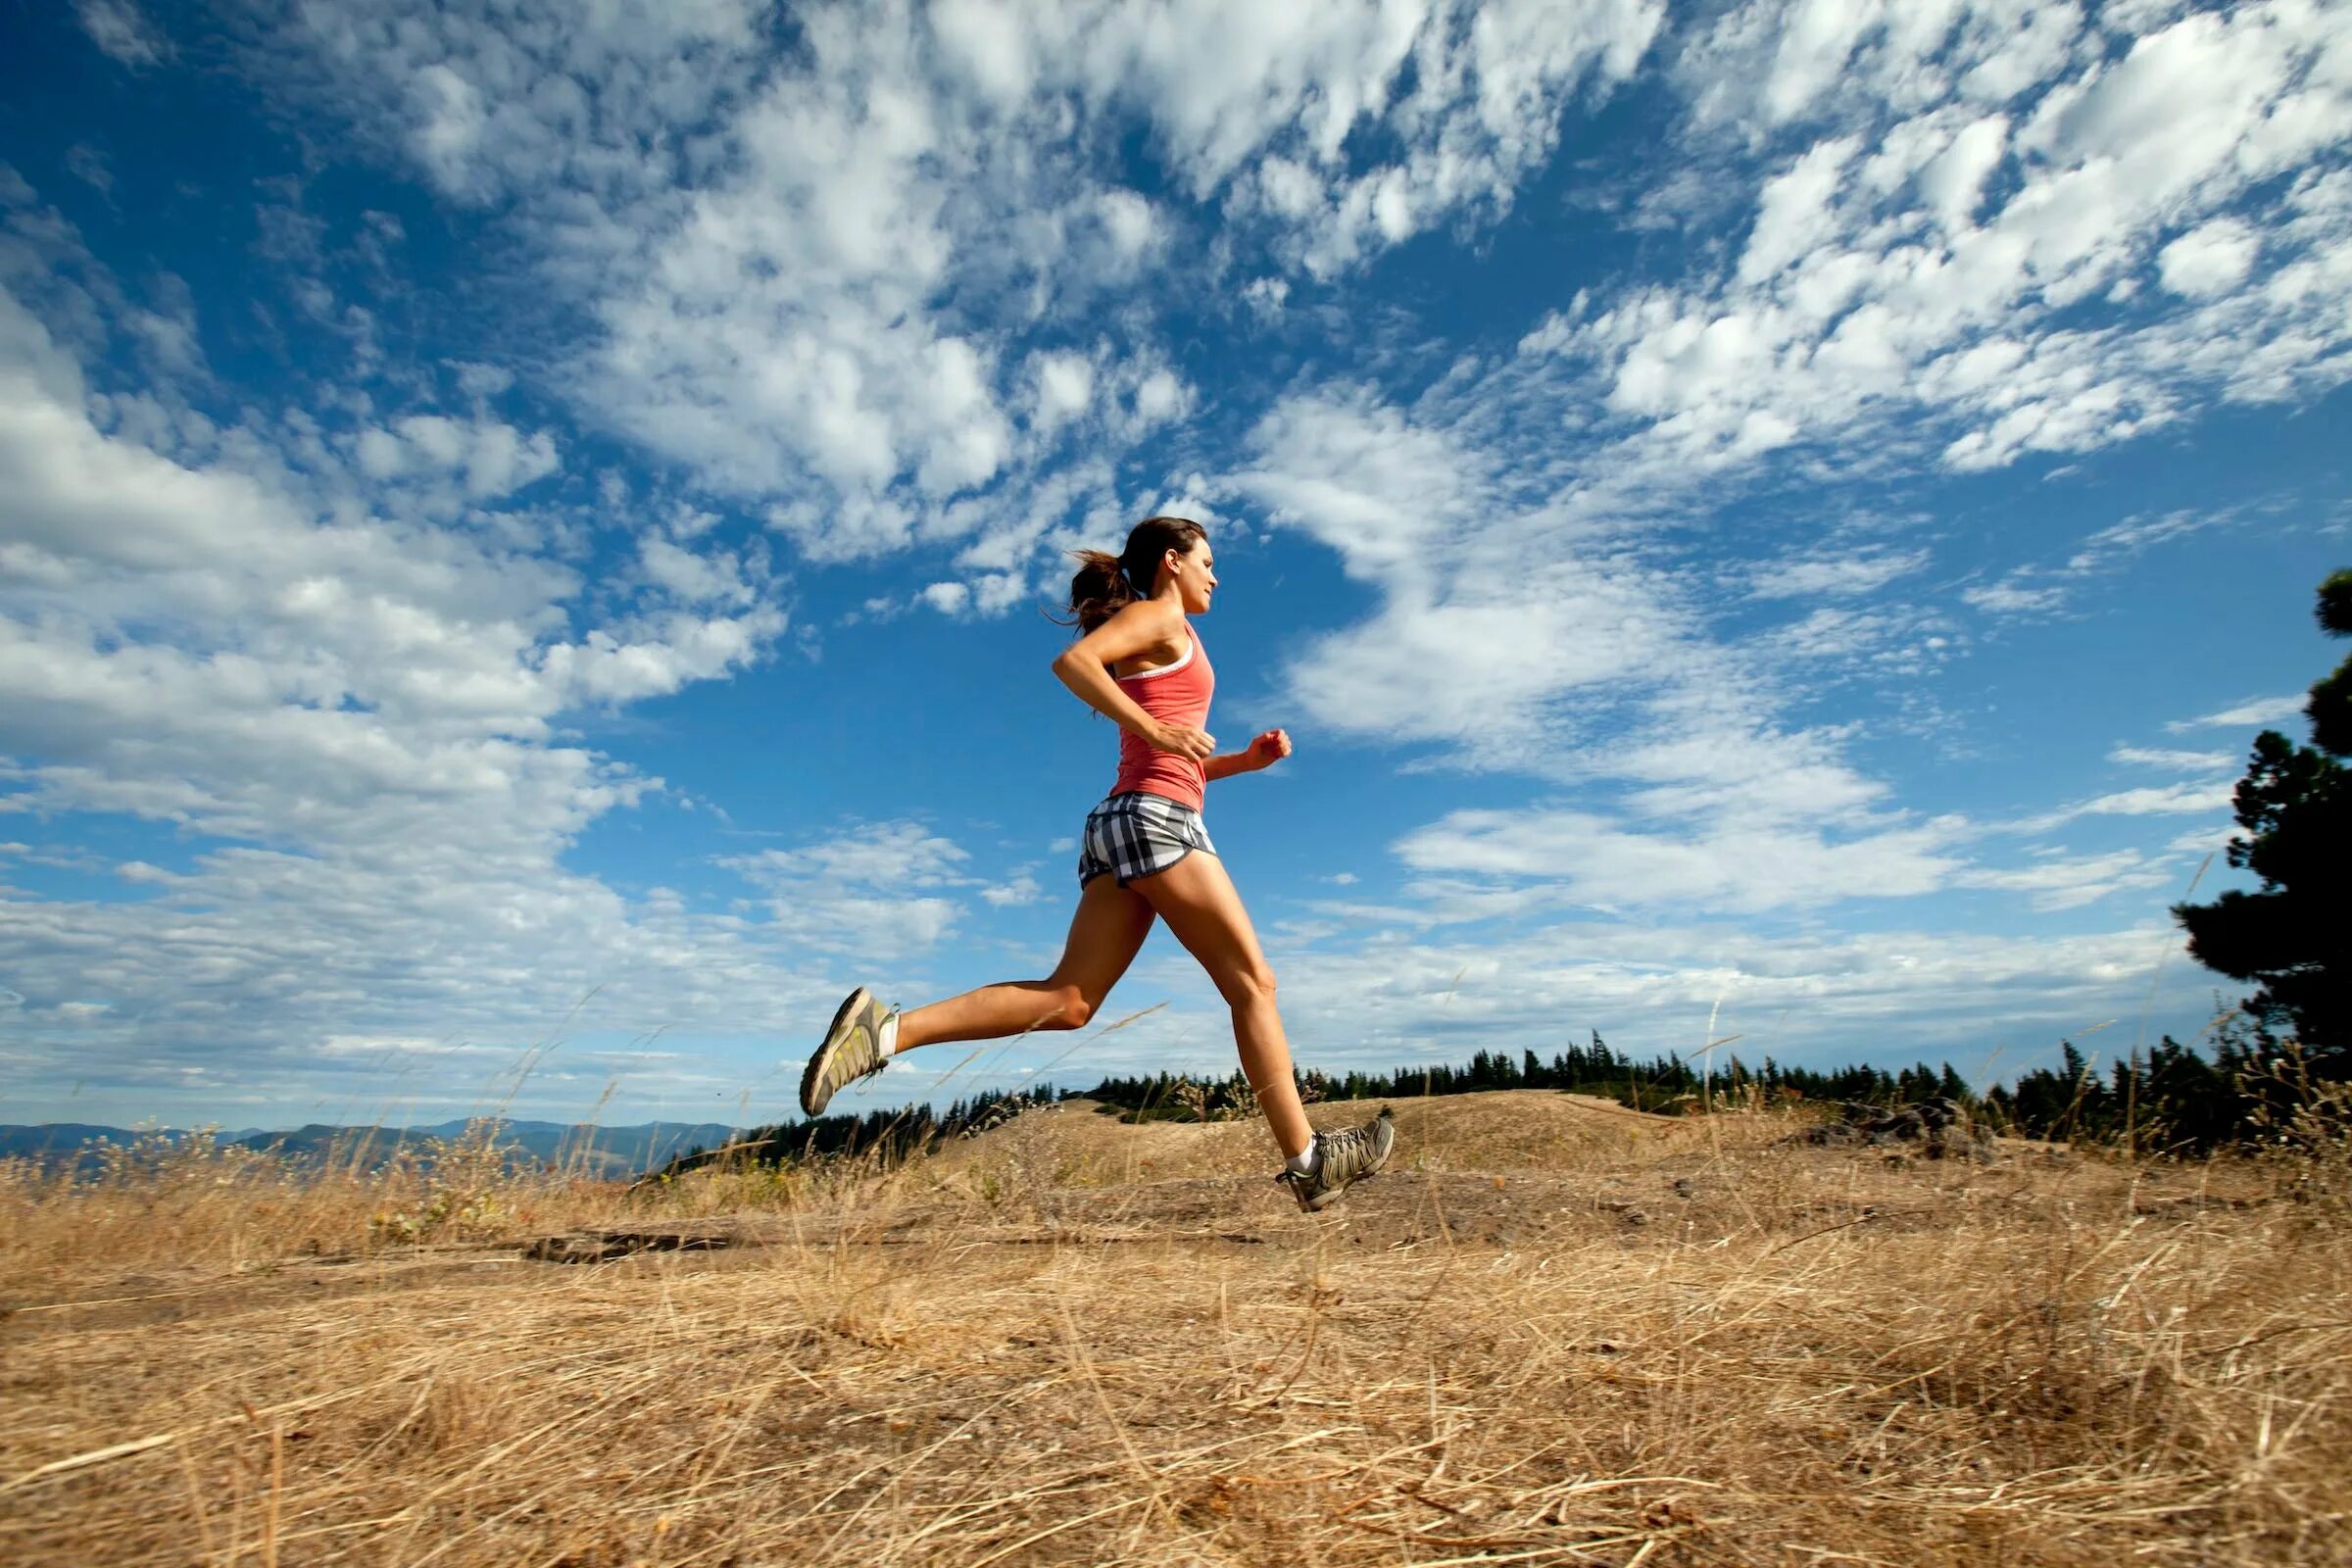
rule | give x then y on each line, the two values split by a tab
852	1051
1342	1158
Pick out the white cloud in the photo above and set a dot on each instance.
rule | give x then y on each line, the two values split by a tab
1265	296
118	30
334	651
1516	635
1905	260
1952	184
1881	642
2201	841
1793	216
766	247
716	577
2062	882
2046	590
1993	1004
2254	710
451	462
877	891
2176	760
2155	801
1020	890
1727	866
1838	574
2210	259
2118	543
2015	597
1065	386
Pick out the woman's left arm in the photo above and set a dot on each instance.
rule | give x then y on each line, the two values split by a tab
1269	747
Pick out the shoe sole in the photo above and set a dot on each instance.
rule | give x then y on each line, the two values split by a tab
823	1058
1323	1201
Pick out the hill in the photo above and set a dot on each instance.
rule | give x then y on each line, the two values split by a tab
1552	1332
601	1150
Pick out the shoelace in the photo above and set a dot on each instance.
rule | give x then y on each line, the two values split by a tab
1352	1145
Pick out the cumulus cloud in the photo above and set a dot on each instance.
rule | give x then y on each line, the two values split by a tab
1920	253
769	294
334	651
2210	259
1938	266
877	891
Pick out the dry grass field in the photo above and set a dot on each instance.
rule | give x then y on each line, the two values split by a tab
1555	1332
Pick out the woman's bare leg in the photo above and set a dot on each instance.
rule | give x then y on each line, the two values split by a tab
1201	906
1105	933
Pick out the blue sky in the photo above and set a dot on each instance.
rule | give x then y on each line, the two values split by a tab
527	526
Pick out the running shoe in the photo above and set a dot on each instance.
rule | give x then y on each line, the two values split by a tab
1342	1158
852	1051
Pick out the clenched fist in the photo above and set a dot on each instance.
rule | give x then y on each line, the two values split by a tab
1269	747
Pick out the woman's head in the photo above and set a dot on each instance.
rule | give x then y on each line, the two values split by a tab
1162	554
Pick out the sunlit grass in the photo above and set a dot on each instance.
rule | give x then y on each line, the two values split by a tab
1555	1332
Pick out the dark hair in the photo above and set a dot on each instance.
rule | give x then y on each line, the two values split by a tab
1107	584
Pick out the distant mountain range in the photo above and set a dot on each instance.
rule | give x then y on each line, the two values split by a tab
599	1151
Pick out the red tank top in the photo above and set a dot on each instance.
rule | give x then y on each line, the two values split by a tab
1173	694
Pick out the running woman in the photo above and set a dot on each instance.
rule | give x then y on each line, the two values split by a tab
1145	854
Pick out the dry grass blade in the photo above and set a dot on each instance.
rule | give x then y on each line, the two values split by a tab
1557	1332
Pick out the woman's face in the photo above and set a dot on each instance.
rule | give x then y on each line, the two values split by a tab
1194	573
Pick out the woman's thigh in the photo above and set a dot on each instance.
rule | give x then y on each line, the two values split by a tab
1203	909
1105	934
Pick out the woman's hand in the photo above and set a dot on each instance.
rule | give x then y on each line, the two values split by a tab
1269	747
1185	741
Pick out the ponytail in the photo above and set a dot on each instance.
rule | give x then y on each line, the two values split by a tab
1107	584
1100	589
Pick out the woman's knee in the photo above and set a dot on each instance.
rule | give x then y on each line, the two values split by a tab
1248	985
1074	1009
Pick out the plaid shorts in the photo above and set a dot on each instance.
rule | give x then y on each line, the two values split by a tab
1136	834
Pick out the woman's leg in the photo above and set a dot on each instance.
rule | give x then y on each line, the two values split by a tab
1109	928
1198	902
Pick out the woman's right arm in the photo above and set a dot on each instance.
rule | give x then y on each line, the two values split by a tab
1085	668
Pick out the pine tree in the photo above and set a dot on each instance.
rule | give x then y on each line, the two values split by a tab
2295	805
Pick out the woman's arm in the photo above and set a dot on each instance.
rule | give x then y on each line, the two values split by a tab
1269	747
1085	668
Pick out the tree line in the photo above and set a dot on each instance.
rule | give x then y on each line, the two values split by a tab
885	1137
1662	1082
2171	1100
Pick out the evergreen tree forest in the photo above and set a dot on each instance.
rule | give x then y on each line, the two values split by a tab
886	1137
2171	1100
